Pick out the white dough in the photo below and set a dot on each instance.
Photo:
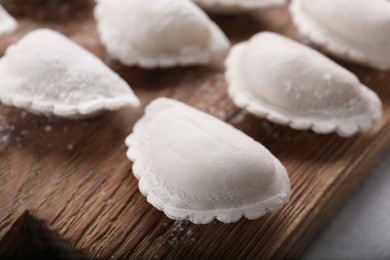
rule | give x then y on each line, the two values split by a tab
46	73
288	83
357	30
193	166
233	6
159	33
7	22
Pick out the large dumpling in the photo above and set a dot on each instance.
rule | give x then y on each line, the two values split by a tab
288	83
193	166
159	33
233	6
357	30
46	73
7	22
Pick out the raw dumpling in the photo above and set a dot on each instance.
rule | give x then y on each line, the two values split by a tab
291	84
231	6
45	73
193	166
7	22
356	30
159	33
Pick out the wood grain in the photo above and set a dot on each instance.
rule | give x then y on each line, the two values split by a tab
74	174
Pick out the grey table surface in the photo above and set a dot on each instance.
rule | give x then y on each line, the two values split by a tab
361	230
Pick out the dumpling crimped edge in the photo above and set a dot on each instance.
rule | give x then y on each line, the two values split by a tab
321	38
198	217
236	90
218	48
83	110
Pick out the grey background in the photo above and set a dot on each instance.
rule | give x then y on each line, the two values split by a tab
361	230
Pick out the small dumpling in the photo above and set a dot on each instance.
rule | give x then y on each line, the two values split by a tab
356	30
193	166
7	22
46	73
232	6
288	83
159	33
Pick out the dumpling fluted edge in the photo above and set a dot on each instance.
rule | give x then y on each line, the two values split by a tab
237	92
307	28
217	49
83	110
197	217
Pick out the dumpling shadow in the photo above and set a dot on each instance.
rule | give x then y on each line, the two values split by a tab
242	26
158	79
239	27
47	10
294	145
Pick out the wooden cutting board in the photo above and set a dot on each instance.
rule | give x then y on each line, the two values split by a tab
67	186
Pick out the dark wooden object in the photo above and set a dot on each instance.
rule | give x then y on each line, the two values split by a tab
74	174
